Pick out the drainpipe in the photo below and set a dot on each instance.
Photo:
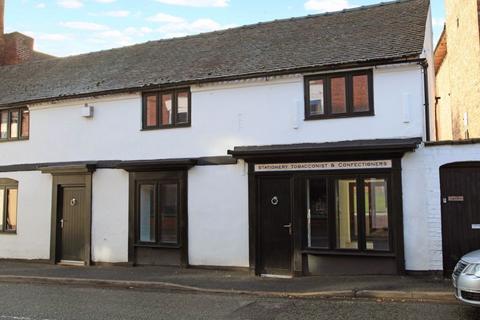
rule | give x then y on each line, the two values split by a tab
424	65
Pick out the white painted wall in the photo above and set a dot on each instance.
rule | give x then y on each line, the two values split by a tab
254	112
32	240
218	216
223	116
110	216
422	203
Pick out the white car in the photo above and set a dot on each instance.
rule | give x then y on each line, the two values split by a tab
466	279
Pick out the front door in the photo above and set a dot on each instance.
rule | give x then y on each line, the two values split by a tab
73	224
275	212
460	212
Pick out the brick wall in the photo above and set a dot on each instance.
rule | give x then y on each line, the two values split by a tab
18	48
458	81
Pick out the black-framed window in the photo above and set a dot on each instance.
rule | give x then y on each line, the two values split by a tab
8	205
349	213
347	94
158	204
14	124
166	109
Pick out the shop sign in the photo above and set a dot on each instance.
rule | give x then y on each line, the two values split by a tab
334	165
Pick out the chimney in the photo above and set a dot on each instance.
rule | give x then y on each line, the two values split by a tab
2	31
18	48
2	18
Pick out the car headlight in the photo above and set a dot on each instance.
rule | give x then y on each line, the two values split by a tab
473	270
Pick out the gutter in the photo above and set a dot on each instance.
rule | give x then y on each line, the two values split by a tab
424	65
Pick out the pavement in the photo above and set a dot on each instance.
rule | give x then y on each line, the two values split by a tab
58	302
193	280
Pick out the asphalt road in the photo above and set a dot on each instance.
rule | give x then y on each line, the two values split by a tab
35	302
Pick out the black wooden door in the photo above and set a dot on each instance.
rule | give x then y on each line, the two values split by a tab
275	225
73	224
460	212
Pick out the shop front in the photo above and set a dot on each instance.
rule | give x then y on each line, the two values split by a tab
329	208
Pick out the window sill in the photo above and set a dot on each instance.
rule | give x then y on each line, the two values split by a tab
14	140
386	254
339	116
12	233
186	125
155	245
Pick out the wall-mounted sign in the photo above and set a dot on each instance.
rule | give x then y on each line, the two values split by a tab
334	165
456	199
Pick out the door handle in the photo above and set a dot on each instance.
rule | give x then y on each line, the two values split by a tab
289	226
61	223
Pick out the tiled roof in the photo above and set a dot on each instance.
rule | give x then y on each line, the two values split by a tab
389	31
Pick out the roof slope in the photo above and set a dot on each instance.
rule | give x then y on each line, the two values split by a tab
385	31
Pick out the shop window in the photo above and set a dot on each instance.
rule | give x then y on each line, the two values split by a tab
346	215
376	215
14	124
158	212
317	216
8	205
167	109
347	94
342	223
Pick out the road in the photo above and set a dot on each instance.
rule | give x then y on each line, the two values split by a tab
40	302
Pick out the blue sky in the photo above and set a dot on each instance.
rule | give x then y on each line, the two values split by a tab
66	27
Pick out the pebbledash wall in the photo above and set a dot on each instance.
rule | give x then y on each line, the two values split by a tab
224	115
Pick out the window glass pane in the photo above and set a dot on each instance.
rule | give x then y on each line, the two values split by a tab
25	123
151	111
168	213
167	109
4	125
182	112
338	95
14	124
360	93
317	103
317	214
147	213
346	213
376	211
12	198
2	208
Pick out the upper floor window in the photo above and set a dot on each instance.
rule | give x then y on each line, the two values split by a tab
339	95
14	124
167	109
8	205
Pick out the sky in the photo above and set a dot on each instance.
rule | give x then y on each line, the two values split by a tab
69	27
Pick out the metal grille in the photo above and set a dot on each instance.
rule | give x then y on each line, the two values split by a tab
460	267
471	296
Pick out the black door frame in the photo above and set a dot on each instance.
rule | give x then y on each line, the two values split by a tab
70	176
444	194
259	256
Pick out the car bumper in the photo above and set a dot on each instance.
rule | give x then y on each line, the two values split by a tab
467	289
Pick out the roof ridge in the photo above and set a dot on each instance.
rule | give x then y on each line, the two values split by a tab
246	26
